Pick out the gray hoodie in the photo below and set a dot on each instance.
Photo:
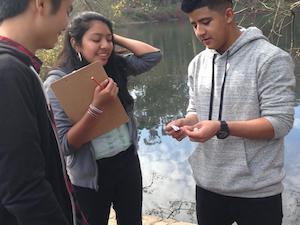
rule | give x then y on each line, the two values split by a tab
260	83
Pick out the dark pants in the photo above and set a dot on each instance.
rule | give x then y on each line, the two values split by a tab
120	184
215	209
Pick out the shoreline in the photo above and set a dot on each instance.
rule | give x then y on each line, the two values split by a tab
149	220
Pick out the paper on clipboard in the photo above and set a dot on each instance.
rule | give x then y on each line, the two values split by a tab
75	93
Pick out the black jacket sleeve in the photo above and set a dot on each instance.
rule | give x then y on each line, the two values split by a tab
24	191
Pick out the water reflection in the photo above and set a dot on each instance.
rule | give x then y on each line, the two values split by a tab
169	186
291	197
161	95
168	178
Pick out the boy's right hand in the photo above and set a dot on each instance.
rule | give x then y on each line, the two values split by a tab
105	92
172	129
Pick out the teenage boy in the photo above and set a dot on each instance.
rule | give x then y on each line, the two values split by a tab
241	102
33	181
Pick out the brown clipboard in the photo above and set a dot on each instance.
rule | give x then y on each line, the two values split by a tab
75	93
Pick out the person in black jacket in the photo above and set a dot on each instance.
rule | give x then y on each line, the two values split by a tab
34	187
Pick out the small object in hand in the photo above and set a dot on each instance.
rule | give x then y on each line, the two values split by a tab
196	129
175	128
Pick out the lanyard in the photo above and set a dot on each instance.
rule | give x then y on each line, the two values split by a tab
213	89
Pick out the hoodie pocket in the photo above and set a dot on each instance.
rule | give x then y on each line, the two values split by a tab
234	152
221	165
228	155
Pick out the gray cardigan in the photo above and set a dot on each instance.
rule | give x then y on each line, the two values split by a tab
260	83
81	163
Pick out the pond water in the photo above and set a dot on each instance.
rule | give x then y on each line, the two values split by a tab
161	95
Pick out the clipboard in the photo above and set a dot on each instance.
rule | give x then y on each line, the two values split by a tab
75	93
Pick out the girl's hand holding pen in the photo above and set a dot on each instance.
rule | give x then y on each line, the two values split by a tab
105	91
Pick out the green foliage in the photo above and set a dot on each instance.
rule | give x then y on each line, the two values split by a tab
49	57
117	8
127	11
148	12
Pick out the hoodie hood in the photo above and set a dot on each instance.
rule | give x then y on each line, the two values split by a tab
247	36
10	50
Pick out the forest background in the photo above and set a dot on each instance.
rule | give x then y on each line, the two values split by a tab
282	16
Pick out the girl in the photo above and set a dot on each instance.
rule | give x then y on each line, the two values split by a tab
105	170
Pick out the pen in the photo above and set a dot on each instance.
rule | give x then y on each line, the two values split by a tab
97	82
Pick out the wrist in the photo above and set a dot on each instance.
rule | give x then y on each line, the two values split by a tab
118	39
223	131
94	111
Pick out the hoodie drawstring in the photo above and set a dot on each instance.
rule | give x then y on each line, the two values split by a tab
213	88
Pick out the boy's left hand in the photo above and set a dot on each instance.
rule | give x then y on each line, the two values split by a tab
202	131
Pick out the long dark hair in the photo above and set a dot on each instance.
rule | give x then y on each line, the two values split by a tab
116	67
